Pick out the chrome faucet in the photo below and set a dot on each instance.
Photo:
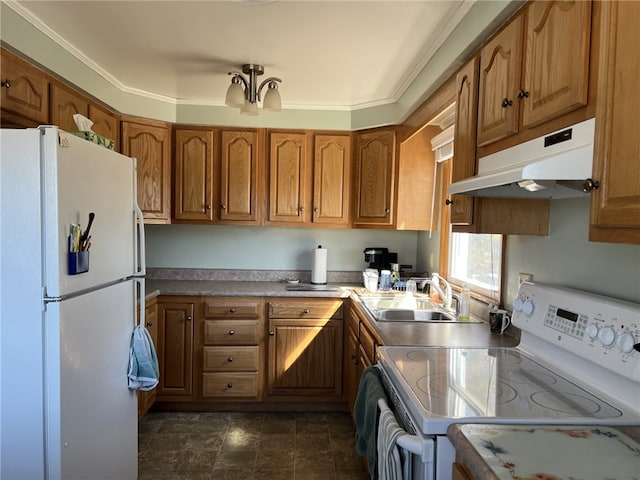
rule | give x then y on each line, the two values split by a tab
446	295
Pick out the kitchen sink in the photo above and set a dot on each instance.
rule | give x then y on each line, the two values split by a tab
402	315
403	308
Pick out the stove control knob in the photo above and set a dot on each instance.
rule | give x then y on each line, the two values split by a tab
607	336
528	307
592	331
626	342
517	304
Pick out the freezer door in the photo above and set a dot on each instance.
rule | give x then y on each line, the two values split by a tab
90	414
81	177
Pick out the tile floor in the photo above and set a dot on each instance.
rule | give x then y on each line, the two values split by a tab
248	446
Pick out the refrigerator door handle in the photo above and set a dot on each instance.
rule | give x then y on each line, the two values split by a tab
140	266
139	304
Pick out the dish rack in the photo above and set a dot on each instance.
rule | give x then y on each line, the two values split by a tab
401	285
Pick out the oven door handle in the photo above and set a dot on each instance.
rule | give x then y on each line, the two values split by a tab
411	443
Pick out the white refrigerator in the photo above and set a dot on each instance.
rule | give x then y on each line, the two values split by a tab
66	409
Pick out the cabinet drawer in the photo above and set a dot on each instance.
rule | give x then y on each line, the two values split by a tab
231	307
231	332
230	359
242	384
306	309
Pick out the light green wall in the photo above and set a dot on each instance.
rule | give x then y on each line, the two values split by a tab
483	17
566	257
268	248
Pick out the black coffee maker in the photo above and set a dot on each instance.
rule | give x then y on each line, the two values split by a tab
380	258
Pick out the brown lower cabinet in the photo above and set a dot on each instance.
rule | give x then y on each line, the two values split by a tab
461	472
147	399
175	348
230	341
305	341
360	352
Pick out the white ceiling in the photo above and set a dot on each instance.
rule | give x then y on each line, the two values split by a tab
337	55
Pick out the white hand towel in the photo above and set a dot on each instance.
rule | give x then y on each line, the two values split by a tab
389	461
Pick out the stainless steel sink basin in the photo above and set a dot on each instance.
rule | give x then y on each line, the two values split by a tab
402	315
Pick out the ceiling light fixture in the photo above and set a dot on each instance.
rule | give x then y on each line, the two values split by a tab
245	93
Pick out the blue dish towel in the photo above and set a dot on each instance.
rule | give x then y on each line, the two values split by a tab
144	372
365	411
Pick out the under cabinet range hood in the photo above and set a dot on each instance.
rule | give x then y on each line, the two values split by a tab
553	166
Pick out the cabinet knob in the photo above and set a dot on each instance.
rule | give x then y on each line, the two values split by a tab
301	209
448	202
305	311
6	84
149	324
506	102
590	185
232	332
223	206
387	210
232	310
229	359
208	207
271	334
229	385
189	318
523	94
316	209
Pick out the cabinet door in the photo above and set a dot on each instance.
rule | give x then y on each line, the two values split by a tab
288	177
331	175
239	176
305	358
65	103
24	91
150	144
193	192
105	123
556	59
175	349
615	205
500	68
375	154
464	160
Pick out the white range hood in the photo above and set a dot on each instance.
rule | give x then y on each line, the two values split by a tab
553	166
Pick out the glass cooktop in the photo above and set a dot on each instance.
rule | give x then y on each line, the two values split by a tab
499	385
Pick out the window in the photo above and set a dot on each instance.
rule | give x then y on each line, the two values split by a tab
476	259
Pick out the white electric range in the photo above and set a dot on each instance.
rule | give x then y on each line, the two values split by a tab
577	364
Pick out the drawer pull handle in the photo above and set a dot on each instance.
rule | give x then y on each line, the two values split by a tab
232	310
306	310
229	385
232	332
230	359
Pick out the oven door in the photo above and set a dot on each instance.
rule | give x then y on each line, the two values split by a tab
423	465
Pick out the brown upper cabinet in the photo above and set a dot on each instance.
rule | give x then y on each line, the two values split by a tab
374	178
331	179
241	182
149	142
193	174
288	169
464	145
309	175
25	93
66	102
535	69
615	205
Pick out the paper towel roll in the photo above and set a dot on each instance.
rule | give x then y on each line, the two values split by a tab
319	266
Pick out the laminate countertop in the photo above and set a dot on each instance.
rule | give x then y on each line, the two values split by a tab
390	333
547	452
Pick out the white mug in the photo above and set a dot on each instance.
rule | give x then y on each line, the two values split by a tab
499	320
